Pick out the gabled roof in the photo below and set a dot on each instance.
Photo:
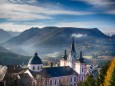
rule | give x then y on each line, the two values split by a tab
55	72
73	46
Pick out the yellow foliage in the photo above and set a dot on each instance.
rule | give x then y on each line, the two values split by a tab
109	73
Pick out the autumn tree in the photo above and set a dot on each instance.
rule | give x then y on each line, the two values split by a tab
112	81
109	74
101	76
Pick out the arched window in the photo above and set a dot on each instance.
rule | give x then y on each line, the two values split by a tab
33	68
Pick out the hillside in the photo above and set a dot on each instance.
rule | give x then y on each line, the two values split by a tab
2	49
9	58
54	39
13	33
4	36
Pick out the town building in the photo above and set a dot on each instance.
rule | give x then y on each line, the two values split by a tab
75	63
36	75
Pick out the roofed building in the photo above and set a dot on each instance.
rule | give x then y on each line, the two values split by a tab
36	75
75	63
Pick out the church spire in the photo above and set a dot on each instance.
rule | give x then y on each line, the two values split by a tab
73	45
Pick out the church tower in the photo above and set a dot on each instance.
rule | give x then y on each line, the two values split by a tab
72	55
35	64
81	67
63	61
77	64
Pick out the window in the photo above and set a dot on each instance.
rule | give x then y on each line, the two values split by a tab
71	79
55	82
74	79
82	70
33	68
82	78
38	67
50	82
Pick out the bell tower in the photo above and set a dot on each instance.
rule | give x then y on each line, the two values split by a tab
72	55
80	67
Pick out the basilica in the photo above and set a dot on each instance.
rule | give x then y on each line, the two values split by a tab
70	71
77	64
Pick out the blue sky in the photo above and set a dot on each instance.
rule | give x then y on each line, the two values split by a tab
19	15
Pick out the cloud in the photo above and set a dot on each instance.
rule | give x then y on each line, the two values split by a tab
17	27
16	11
20	12
18	1
79	35
110	12
103	4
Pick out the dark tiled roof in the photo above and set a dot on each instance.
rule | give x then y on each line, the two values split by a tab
55	72
35	60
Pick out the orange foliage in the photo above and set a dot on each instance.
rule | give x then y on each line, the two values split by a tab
109	73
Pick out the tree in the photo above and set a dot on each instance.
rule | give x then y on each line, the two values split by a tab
80	83
112	81
101	77
90	81
109	73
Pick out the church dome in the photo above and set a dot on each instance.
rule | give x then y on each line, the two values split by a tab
35	60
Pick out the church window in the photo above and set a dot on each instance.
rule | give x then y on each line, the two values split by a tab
71	79
55	82
50	82
33	68
74	79
82	78
82	70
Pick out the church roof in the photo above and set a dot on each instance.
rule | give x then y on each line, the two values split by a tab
65	56
35	60
73	45
81	59
55	72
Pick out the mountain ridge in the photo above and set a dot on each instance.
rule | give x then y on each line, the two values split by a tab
58	38
4	36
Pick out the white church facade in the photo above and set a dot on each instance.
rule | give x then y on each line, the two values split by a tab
75	63
36	75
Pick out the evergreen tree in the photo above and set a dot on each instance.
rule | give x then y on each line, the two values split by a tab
90	81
